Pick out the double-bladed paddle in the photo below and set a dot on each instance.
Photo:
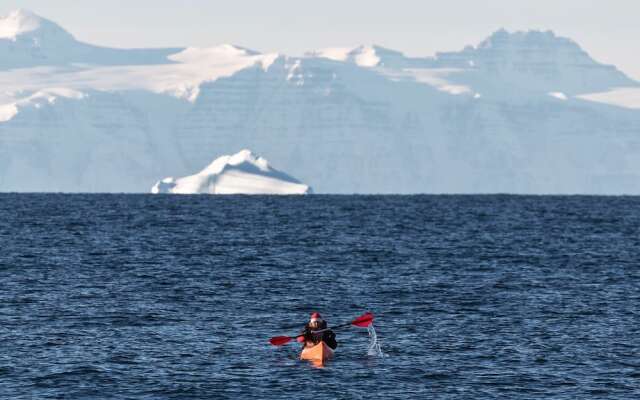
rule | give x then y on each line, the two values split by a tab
362	321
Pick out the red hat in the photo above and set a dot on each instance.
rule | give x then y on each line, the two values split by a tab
315	317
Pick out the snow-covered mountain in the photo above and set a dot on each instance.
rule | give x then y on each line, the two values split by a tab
27	40
241	173
522	112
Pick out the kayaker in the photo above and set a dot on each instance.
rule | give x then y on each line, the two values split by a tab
315	331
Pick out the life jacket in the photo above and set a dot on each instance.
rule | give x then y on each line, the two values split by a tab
326	335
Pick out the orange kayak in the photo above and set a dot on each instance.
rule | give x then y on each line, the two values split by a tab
317	354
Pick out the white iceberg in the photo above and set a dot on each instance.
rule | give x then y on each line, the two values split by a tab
241	173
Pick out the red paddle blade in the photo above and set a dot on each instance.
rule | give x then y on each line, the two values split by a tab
280	340
363	321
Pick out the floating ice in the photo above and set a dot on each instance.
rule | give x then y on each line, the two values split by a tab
241	173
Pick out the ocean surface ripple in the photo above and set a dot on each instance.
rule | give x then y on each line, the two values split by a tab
175	297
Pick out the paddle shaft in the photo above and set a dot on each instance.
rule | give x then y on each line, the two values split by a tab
328	329
365	319
344	325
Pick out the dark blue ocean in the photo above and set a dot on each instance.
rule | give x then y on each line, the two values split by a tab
175	297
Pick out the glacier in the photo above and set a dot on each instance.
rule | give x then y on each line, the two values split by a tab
520	112
241	173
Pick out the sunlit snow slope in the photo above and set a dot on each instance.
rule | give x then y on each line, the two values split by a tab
521	112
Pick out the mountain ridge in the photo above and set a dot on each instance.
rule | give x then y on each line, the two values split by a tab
523	112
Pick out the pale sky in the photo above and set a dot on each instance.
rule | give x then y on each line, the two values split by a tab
608	29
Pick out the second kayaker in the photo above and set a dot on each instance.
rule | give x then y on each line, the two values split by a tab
315	331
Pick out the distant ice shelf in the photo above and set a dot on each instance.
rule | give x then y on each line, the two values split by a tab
241	173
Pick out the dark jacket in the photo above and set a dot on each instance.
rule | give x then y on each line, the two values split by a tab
326	336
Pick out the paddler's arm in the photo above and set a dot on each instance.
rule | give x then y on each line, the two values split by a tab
302	337
330	339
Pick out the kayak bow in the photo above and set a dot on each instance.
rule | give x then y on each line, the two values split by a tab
317	354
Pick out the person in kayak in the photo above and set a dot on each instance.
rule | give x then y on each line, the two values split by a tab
315	331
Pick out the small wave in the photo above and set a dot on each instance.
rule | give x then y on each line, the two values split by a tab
75	375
